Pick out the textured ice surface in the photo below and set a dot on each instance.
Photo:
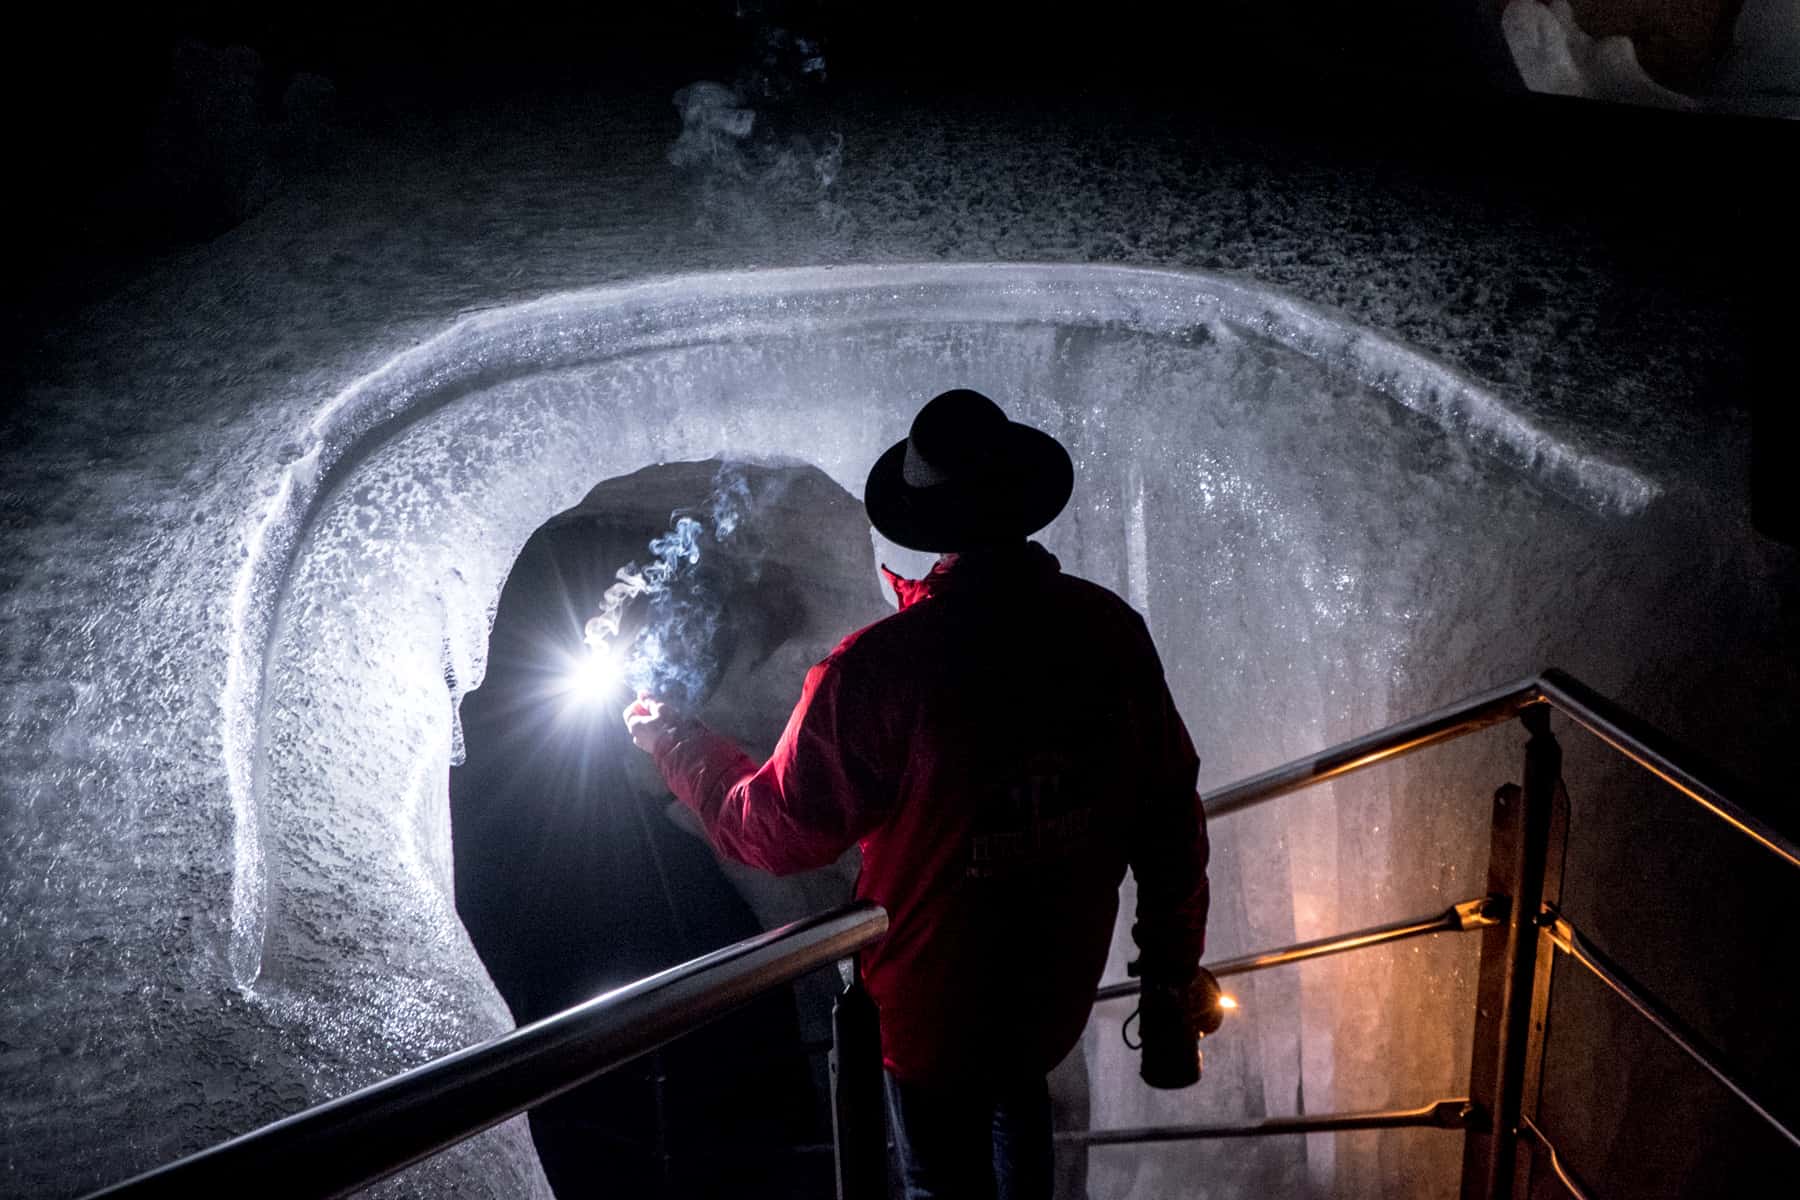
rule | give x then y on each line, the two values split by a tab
257	504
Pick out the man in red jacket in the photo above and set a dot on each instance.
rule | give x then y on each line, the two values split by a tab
1003	748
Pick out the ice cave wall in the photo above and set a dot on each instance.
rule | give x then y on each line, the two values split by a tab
209	467
238	898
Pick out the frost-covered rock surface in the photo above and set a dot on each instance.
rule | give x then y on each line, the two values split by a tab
1555	55
258	500
1758	75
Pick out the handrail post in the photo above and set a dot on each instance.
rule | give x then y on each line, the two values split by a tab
659	1089
1512	997
1543	772
858	1124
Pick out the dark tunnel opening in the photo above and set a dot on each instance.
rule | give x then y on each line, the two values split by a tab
571	875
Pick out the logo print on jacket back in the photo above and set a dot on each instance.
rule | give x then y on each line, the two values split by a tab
1032	822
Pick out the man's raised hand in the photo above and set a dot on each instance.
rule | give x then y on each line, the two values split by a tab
650	722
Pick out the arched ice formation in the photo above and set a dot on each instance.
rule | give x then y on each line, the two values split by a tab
1326	530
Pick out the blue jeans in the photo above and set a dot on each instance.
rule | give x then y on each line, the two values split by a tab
967	1143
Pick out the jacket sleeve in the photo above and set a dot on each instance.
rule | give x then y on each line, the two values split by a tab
818	794
1169	848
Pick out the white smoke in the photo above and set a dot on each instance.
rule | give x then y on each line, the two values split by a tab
747	147
681	544
672	652
715	124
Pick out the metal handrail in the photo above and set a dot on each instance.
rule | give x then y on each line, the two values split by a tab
345	1144
1565	937
1459	719
1635	739
1456	1113
1680	768
1478	913
348	1143
1563	1174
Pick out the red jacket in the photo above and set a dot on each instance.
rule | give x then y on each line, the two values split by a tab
1003	747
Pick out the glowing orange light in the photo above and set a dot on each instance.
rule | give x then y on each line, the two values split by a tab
1227	1002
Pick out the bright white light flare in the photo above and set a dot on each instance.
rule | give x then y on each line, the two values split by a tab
593	676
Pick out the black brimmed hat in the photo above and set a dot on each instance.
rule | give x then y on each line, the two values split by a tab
966	477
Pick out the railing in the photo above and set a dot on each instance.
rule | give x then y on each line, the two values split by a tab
346	1144
1522	930
349	1143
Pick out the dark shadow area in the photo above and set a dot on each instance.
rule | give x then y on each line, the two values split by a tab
141	134
1697	915
571	880
1631	1115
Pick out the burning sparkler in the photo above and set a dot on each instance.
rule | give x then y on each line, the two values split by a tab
595	673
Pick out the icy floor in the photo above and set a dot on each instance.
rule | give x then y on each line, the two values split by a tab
193	461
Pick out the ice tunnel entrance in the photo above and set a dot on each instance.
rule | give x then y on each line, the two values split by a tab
569	876
1288	498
